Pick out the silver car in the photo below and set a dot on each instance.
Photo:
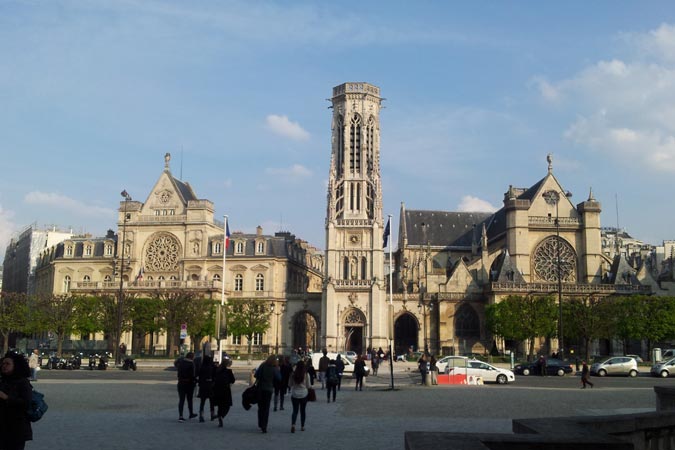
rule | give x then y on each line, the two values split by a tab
616	365
664	369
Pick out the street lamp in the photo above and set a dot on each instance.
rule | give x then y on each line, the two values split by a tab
422	308
553	198
120	295
278	314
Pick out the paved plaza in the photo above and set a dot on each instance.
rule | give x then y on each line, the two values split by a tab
138	410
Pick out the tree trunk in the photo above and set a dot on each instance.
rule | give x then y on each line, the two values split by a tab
5	343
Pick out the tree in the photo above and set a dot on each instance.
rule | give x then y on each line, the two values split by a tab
247	317
13	314
585	319
523	318
57	313
147	318
182	306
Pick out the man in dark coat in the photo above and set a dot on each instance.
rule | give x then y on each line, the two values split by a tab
222	391
186	384
266	374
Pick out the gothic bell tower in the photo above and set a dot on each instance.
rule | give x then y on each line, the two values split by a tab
354	310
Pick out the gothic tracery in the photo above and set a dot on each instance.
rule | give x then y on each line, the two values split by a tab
162	254
545	260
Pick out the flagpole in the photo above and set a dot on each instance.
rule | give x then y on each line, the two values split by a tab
391	309
222	288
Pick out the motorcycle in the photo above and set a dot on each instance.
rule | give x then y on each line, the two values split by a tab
103	361
74	362
129	363
53	361
92	361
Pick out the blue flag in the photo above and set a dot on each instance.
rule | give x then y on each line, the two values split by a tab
386	233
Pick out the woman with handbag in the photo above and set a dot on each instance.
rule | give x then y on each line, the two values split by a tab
300	391
15	397
223	378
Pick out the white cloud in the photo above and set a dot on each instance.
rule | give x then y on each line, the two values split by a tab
624	107
475	204
282	126
7	229
62	202
293	173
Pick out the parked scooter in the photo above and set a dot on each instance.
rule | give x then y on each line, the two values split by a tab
129	363
103	361
74	362
53	361
92	361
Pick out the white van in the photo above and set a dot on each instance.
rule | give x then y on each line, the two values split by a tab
349	363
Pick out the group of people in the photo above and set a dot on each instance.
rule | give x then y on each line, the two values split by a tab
214	381
15	397
427	365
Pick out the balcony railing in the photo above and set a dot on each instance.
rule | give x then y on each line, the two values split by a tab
145	285
550	221
570	288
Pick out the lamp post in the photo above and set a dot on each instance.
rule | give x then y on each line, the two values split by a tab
553	198
278	314
422	308
120	295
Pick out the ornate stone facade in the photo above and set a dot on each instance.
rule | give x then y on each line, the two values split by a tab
172	242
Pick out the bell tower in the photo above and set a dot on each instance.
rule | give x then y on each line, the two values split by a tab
354	310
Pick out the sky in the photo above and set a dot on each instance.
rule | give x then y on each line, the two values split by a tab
94	93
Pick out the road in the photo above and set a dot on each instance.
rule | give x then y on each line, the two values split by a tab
117	409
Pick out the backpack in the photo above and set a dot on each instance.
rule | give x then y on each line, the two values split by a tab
38	407
331	375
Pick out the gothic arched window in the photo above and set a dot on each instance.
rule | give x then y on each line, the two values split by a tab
355	144
467	324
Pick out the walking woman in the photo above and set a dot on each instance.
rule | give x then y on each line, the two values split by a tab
223	379
585	375
359	372
206	386
266	374
299	394
15	396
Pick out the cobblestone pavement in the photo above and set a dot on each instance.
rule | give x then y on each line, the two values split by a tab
138	410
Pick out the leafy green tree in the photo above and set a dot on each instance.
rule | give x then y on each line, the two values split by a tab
523	318
585	318
247	317
13	315
57	313
182	306
659	319
147	318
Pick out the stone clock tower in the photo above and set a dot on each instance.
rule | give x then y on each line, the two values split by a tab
354	312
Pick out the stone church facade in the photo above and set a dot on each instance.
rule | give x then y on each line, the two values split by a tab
172	242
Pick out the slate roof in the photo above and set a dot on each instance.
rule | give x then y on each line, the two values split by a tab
443	228
184	189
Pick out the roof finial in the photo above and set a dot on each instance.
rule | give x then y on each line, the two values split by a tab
591	198
549	159
167	158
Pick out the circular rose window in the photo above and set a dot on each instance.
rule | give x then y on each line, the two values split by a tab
162	254
546	260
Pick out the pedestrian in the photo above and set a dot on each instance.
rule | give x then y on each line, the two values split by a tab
331	380
15	398
299	394
185	368
205	382
340	367
223	379
585	375
433	370
281	386
265	375
359	372
323	366
310	370
34	365
422	366
375	364
541	363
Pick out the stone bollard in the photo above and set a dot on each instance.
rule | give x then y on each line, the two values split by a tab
427	379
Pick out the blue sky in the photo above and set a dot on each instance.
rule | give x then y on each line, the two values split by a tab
93	93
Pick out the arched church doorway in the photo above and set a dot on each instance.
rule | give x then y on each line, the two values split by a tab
305	331
406	330
354	337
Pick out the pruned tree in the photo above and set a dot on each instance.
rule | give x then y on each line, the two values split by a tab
58	314
147	317
183	306
585	318
247	317
13	315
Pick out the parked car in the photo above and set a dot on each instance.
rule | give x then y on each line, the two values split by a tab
553	367
616	365
448	362
668	353
664	369
349	362
637	358
488	372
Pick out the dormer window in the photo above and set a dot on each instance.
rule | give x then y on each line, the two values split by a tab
260	247
239	249
108	249
69	250
217	247
87	250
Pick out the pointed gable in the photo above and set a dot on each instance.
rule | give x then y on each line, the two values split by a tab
460	279
505	271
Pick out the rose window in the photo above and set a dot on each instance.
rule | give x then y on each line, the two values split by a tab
162	254
546	260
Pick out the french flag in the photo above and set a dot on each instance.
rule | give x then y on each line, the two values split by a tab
227	234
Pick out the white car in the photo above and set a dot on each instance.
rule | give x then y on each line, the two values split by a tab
664	369
474	368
